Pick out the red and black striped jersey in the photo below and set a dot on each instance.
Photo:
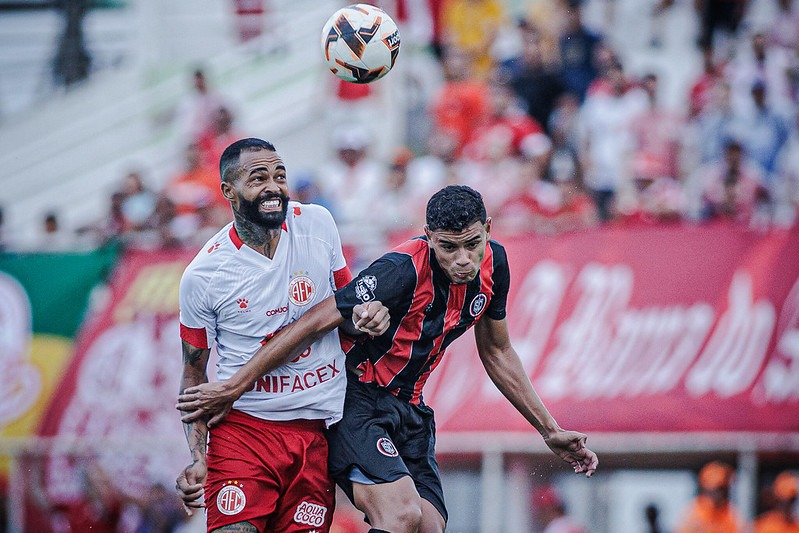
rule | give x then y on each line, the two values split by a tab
428	312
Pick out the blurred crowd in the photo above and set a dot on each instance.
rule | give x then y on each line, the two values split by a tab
538	113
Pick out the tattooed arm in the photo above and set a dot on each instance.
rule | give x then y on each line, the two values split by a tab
190	482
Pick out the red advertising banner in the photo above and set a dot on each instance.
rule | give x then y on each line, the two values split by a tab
652	329
664	329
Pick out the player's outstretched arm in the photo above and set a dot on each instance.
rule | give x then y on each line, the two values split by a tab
505	369
217	398
190	481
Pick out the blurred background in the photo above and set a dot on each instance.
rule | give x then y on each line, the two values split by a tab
640	160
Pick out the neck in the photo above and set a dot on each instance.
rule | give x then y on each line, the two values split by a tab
260	239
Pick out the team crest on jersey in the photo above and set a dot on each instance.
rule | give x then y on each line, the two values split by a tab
478	304
365	287
231	499
301	290
386	447
311	514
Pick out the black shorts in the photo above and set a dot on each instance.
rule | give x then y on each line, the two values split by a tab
386	438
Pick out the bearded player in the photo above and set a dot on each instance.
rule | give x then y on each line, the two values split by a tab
264	468
436	287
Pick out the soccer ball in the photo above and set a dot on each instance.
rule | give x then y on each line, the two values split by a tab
360	43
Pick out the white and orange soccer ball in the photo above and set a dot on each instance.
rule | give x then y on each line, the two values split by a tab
360	43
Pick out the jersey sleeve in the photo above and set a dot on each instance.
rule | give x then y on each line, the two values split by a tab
390	280
340	273
197	319
496	309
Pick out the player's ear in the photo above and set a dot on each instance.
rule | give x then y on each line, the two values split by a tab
487	226
427	233
227	191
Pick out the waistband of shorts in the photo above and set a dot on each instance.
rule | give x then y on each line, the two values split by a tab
299	423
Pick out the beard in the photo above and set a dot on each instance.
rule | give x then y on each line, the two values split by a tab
250	211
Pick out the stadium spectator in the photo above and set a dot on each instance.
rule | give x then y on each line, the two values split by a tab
52	237
763	132
606	120
701	91
784	27
719	21
657	135
138	202
355	181
578	50
760	63
196	113
709	131
402	204
200	208
462	102
506	131
4	241
306	191
471	26
733	188
220	133
652	517
537	84
711	510
196	185
550	512
782	517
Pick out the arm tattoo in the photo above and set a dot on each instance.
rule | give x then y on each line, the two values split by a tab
192	355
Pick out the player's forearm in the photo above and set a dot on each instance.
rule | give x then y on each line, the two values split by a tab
507	373
287	344
195	362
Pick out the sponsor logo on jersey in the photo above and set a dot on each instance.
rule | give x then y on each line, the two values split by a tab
287	384
279	310
365	288
478	304
386	447
242	302
213	247
301	290
231	499
311	514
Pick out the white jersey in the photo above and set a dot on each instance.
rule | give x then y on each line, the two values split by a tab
237	297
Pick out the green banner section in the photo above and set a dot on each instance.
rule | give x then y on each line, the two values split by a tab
59	285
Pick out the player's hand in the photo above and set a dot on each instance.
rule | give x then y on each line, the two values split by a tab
207	399
189	485
570	446
371	318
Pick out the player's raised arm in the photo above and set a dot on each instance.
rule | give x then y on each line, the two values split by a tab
505	369
216	398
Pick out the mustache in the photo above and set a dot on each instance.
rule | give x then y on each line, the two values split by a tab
271	195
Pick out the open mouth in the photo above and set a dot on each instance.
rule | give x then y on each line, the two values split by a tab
271	204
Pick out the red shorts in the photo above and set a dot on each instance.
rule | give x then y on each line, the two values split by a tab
270	474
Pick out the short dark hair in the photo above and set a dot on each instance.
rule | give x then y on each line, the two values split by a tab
230	157
454	208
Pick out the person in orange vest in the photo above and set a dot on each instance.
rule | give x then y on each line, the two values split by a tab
711	510
781	519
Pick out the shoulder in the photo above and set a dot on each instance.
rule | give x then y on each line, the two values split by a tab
309	218
414	250
218	250
497	250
